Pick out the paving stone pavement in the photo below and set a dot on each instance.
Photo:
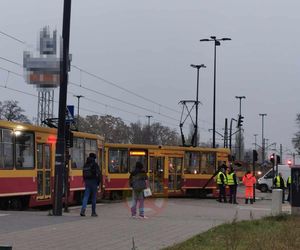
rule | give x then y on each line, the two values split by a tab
170	221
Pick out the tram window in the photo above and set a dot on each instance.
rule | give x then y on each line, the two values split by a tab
118	161
6	149
175	165
208	163
24	150
77	153
136	156
91	147
192	163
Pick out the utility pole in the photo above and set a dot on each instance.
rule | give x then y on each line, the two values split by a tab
149	117
262	138
240	126
230	132
78	101
60	145
280	152
197	101
226	134
255	141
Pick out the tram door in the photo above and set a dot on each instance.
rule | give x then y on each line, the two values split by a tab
175	173
156	177
43	171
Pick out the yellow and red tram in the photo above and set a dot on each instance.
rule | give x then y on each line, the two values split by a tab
27	160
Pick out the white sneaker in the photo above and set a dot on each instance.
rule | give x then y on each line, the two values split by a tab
143	217
134	217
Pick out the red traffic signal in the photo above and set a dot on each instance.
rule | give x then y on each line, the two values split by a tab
272	158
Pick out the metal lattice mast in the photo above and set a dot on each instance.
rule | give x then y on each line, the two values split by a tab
45	104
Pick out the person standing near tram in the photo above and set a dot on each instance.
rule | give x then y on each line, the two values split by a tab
232	184
221	182
249	180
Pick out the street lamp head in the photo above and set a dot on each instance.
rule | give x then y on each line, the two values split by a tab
198	66
226	39
240	97
204	40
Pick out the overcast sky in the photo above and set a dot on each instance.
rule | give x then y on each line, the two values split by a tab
147	47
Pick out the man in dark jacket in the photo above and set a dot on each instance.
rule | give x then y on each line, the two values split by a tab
232	184
92	178
138	180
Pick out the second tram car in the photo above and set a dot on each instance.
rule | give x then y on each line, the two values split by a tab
172	170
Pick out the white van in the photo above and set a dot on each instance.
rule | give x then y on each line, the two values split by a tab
265	183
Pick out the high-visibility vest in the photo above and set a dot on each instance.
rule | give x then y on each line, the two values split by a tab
230	179
289	180
219	181
278	181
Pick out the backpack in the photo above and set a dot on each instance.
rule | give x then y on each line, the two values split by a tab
138	182
88	171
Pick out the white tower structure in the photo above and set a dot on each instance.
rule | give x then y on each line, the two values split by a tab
43	72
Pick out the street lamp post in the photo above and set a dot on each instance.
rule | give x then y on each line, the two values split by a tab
78	101
216	43
262	138
198	66
240	125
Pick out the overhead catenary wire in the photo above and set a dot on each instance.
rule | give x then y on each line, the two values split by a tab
122	88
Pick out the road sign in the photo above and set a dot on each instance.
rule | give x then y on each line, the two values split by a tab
70	113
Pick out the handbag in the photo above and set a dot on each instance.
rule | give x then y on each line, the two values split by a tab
147	192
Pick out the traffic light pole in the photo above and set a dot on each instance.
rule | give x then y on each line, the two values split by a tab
60	145
240	125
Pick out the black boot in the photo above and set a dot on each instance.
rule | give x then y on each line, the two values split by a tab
82	212
251	201
246	201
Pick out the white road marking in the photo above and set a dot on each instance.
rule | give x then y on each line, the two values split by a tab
3	215
253	208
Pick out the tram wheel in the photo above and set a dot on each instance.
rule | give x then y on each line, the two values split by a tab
15	204
116	195
202	193
3	204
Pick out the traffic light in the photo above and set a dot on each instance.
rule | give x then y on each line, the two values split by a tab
278	159
272	158
240	121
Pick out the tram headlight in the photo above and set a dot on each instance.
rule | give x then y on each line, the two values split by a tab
259	172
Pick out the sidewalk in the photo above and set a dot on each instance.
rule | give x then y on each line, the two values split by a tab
174	221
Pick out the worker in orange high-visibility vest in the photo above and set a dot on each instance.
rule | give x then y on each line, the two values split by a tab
249	180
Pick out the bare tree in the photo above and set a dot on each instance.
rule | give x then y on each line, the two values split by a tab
296	139
112	128
11	111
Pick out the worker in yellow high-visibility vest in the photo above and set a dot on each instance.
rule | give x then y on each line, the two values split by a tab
232	184
221	182
280	184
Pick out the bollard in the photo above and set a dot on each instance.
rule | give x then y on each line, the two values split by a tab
276	202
